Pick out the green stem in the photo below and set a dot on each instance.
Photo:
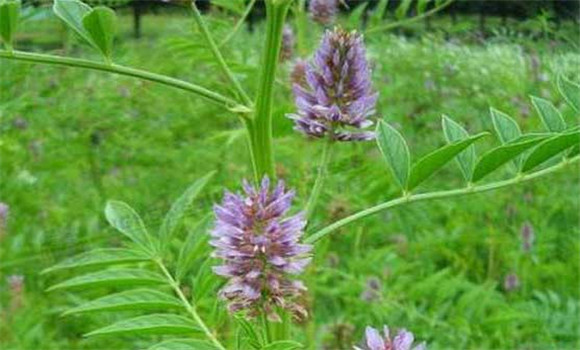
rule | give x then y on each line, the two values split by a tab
434	195
218	55
121	70
301	23
238	24
187	305
261	128
408	20
322	171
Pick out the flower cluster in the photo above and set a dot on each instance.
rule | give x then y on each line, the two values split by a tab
336	98
402	341
260	250
323	11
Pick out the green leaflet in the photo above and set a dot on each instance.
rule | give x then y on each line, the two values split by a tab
101	24
550	115
180	207
72	13
184	344
378	13
507	129
570	91
150	324
455	132
550	148
100	257
401	11
126	220
9	18
111	277
136	299
435	160
355	17
283	345
499	156
395	151
192	249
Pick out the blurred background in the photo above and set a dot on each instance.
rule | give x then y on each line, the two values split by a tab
498	270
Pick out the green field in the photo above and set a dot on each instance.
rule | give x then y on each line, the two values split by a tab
71	139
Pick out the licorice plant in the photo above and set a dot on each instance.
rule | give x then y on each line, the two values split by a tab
260	249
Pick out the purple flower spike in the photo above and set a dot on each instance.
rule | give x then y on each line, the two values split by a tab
402	341
260	250
323	11
4	211
528	237
335	98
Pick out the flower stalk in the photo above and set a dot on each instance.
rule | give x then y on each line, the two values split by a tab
260	128
322	172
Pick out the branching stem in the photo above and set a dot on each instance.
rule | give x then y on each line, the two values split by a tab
239	24
127	71
435	195
187	305
218	56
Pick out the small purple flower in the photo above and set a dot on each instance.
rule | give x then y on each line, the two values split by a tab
511	282
323	11
402	341
372	290
287	49
260	250
337	99
528	237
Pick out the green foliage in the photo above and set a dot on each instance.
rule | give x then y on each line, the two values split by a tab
283	345
72	13
100	24
124	218
99	258
453	133
499	156
570	91
432	162
135	299
550	148
395	151
109	278
9	18
550	115
149	325
183	344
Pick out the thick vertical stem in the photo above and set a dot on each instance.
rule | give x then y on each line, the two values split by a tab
261	127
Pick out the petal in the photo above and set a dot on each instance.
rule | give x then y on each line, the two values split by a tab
374	339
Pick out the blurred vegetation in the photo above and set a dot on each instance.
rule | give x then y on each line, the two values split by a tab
70	139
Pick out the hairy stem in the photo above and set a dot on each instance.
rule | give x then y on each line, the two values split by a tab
239	24
187	305
409	20
218	56
261	128
435	195
322	171
122	70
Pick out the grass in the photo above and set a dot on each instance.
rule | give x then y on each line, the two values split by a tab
72	139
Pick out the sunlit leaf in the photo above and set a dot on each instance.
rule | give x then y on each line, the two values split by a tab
549	114
550	148
72	13
453	133
499	156
101	24
9	18
355	17
401	11
180	208
122	217
150	324
435	160
111	277
395	151
378	13
570	91
100	257
136	299
184	344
